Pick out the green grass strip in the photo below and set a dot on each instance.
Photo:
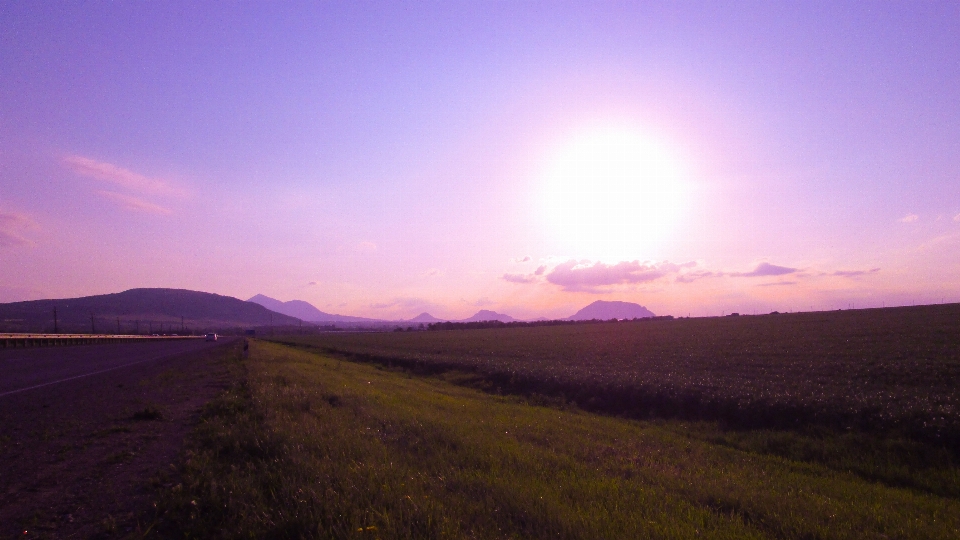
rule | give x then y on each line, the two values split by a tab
308	446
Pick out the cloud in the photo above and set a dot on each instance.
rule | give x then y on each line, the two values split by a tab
118	176
407	304
766	269
522	260
134	204
909	218
540	270
854	273
519	278
365	247
690	277
582	276
12	226
956	217
312	284
777	284
483	302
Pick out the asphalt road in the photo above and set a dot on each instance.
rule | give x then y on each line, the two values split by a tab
76	461
22	370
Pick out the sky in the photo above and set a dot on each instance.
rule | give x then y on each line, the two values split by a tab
386	159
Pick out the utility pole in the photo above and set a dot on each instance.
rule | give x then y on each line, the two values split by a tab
56	329
93	326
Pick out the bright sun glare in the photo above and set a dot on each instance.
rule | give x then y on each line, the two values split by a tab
613	193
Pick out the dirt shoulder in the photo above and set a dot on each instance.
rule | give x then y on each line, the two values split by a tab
82	459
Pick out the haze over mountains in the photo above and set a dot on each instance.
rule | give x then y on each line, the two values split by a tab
149	310
138	310
600	309
605	310
304	310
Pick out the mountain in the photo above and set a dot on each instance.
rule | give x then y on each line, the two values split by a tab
425	318
138	310
604	310
487	315
303	310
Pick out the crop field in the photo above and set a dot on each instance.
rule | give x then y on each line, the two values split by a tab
307	445
892	371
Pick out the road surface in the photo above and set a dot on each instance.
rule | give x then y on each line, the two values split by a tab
77	450
25	369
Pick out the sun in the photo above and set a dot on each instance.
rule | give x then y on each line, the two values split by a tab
612	192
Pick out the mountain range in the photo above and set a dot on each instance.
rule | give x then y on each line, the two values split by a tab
304	310
600	309
605	311
138	310
172	310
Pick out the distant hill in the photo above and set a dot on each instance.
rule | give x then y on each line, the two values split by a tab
487	315
604	310
143	310
425	318
303	310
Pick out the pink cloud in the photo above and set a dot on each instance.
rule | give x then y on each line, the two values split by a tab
134	204
365	247
909	218
118	176
855	273
690	277
577	276
519	278
12	226
766	269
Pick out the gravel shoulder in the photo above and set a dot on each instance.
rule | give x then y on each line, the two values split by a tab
82	458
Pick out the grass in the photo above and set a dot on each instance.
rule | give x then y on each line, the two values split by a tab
891	370
308	446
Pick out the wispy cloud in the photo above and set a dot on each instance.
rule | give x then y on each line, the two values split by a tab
124	178
764	270
519	278
909	218
854	273
12	227
526	278
407	304
956	217
690	277
365	247
583	276
133	204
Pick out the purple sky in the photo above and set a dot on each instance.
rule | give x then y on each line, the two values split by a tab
524	157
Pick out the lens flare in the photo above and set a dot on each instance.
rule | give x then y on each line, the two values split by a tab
613	193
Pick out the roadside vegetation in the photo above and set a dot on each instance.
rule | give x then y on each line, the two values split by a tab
308	445
889	371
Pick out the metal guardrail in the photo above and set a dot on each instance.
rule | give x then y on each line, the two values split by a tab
54	340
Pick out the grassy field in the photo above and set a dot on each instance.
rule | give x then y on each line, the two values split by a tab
892	371
307	445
